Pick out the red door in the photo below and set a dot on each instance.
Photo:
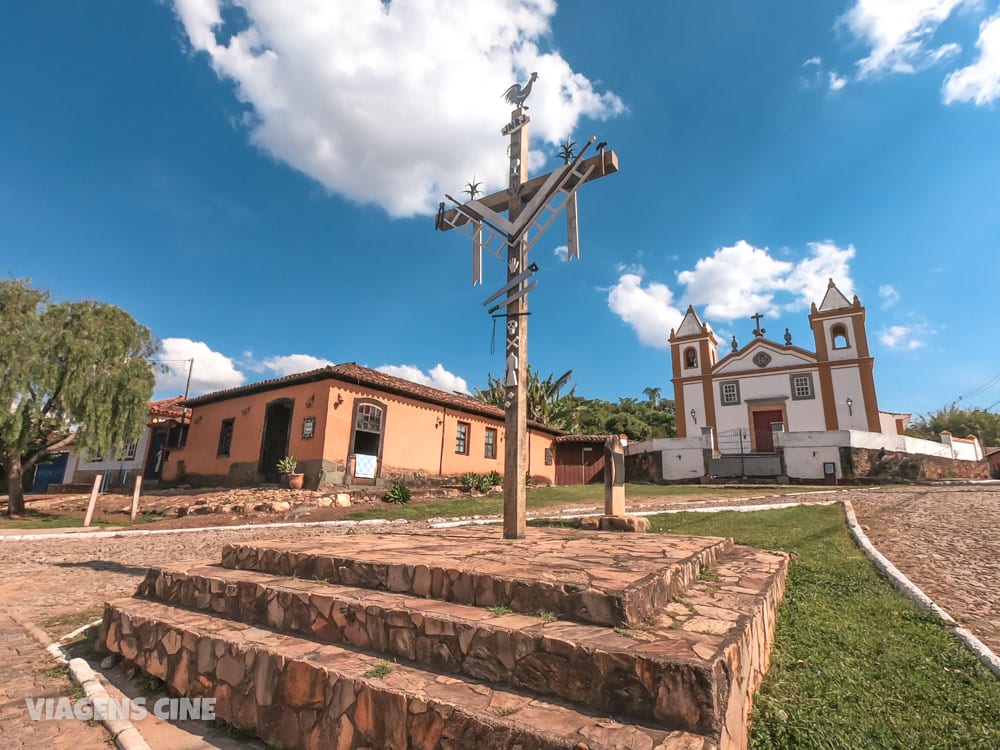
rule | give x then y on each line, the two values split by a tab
763	436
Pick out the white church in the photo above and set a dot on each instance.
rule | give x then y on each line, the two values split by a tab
772	409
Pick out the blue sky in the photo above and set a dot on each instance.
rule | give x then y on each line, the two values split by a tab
255	181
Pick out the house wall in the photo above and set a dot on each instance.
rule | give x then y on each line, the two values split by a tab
199	459
418	438
79	470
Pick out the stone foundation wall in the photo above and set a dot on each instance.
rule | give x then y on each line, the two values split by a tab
869	463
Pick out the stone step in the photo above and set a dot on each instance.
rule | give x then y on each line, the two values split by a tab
590	577
297	693
672	671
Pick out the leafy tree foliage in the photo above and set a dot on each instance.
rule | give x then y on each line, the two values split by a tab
69	372
959	422
640	420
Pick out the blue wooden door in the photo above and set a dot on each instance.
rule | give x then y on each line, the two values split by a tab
49	472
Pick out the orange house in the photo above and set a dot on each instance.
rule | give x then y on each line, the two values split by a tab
346	424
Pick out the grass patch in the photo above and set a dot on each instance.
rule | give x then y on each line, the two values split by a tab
855	665
33	520
379	671
59	625
500	609
541	498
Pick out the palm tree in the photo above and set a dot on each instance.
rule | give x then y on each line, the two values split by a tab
653	394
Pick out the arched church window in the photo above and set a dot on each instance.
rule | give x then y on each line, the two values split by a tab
839	335
690	357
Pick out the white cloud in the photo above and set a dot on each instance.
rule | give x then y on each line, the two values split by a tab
650	310
290	364
436	377
899	32
812	61
902	337
978	83
836	82
734	282
888	294
810	277
392	103
212	371
561	252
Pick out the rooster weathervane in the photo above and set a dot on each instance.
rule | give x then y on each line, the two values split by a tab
518	94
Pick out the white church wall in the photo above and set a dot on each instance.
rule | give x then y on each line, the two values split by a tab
847	384
779	358
802	414
693	399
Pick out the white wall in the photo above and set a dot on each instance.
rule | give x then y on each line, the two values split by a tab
693	399
847	383
682	458
803	414
77	462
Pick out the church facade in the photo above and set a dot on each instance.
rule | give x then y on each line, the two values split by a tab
767	387
778	410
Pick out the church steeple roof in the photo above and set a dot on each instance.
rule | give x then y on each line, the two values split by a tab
834	299
691	325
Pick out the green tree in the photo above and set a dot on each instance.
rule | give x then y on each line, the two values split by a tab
653	394
69	372
960	423
543	396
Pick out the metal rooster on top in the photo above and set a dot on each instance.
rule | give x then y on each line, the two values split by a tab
517	94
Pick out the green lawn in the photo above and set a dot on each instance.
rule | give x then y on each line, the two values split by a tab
855	665
35	520
540	498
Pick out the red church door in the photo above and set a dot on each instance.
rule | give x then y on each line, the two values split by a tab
763	437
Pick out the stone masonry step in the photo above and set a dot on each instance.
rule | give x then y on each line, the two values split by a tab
673	671
297	693
591	577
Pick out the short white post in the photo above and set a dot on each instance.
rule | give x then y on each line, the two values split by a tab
93	499
135	497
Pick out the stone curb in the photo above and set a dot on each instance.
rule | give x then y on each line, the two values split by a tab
122	731
905	586
153	532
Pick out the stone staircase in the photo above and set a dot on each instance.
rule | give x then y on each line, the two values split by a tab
461	639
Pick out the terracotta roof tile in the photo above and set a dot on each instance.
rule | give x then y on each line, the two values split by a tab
582	438
354	373
169	408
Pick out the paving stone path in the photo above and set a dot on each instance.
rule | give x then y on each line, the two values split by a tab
947	541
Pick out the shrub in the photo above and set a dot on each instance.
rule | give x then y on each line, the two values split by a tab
495	478
484	483
287	465
398	494
469	481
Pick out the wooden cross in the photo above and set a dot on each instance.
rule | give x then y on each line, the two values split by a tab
530	206
758	331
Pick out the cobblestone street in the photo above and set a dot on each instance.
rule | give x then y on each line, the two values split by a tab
943	538
947	541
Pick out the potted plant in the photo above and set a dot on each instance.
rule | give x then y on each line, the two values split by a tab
289	478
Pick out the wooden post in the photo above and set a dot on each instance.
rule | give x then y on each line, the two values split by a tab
94	492
516	401
135	496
